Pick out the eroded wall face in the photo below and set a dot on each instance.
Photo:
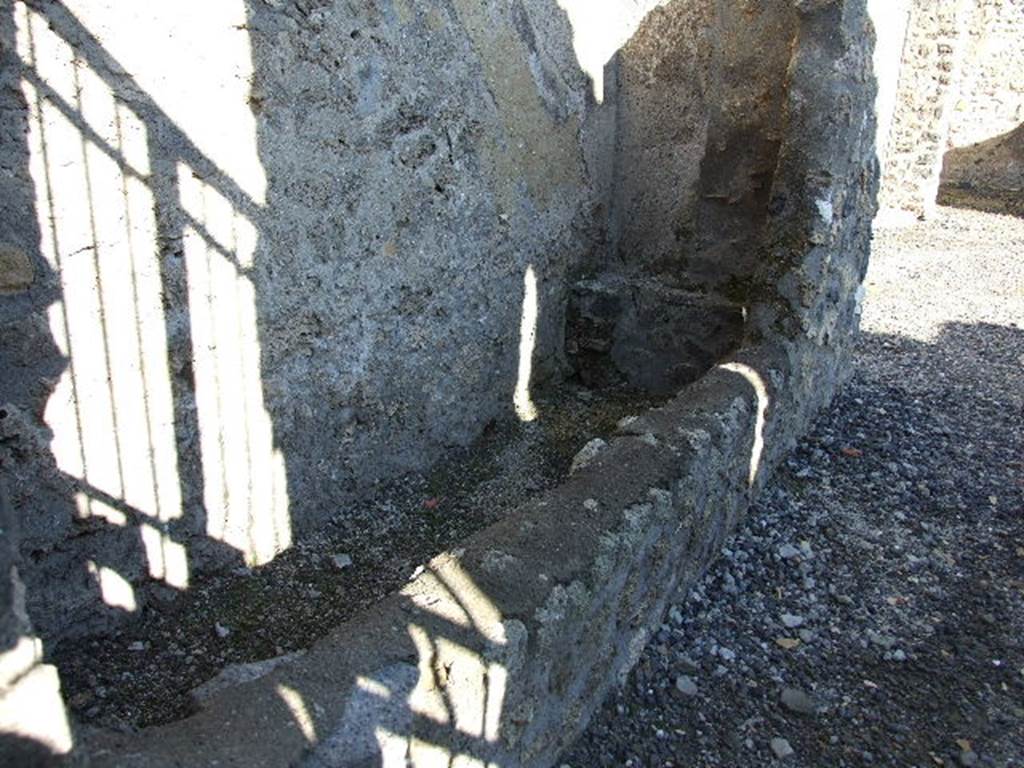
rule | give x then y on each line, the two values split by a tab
430	176
700	90
497	653
702	86
260	255
991	96
959	104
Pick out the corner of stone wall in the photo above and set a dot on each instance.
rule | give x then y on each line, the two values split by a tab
499	652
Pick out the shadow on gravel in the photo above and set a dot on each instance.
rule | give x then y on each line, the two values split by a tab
907	503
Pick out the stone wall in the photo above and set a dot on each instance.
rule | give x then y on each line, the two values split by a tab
959	106
298	260
698	141
928	86
498	653
259	256
986	131
258	259
990	101
699	92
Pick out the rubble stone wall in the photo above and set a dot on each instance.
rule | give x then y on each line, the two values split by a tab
258	260
498	653
256	257
928	86
985	155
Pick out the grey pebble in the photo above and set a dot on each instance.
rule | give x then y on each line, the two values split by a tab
968	757
788	551
781	748
686	685
797	701
341	561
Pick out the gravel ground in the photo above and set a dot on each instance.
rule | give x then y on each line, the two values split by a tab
870	611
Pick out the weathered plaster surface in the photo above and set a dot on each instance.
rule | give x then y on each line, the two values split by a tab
257	258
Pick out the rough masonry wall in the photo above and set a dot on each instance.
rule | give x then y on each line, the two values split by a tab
991	97
498	653
986	130
700	88
928	87
257	256
282	251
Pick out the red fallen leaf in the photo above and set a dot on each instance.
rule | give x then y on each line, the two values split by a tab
853	453
431	503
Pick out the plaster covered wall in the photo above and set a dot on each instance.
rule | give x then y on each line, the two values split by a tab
299	260
700	90
699	130
276	252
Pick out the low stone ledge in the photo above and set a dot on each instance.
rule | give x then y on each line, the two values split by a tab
497	653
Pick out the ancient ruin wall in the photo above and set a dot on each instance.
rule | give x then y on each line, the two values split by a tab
928	84
259	259
990	101
699	132
499	651
700	88
986	130
260	256
959	107
220	241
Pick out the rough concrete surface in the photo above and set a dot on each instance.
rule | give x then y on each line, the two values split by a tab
263	315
